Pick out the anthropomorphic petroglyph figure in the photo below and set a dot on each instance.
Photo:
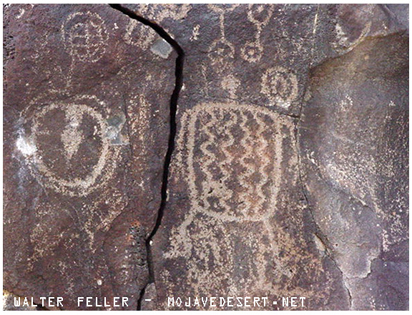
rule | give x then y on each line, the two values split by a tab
233	155
221	51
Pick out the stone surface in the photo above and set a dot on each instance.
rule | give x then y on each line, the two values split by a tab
86	128
289	174
244	216
354	140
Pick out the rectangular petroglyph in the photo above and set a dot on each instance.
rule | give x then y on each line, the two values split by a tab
230	157
236	166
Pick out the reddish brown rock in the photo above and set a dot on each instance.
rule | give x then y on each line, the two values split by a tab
288	177
86	127
240	219
354	140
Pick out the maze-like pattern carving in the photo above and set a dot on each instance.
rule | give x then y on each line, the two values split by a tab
238	153
230	157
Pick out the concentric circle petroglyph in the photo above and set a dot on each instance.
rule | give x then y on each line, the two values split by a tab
85	36
72	153
280	86
252	51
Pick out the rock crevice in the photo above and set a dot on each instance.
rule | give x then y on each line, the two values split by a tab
172	132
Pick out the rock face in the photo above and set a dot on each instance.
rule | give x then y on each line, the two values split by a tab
288	177
86	111
354	140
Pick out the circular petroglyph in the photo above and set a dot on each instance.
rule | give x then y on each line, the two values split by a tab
260	14
73	154
85	36
280	86
252	51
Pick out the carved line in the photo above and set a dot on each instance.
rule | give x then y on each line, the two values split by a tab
69	37
77	187
271	80
255	111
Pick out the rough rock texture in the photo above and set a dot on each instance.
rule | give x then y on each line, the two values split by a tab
354	140
86	128
245	216
289	173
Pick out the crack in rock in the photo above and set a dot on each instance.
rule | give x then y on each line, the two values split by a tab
162	50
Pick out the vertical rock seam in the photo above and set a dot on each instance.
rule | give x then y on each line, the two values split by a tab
171	142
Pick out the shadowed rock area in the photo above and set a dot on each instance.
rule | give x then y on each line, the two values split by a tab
354	139
288	178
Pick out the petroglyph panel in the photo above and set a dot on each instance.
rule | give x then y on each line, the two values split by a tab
85	36
284	193
233	54
87	130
